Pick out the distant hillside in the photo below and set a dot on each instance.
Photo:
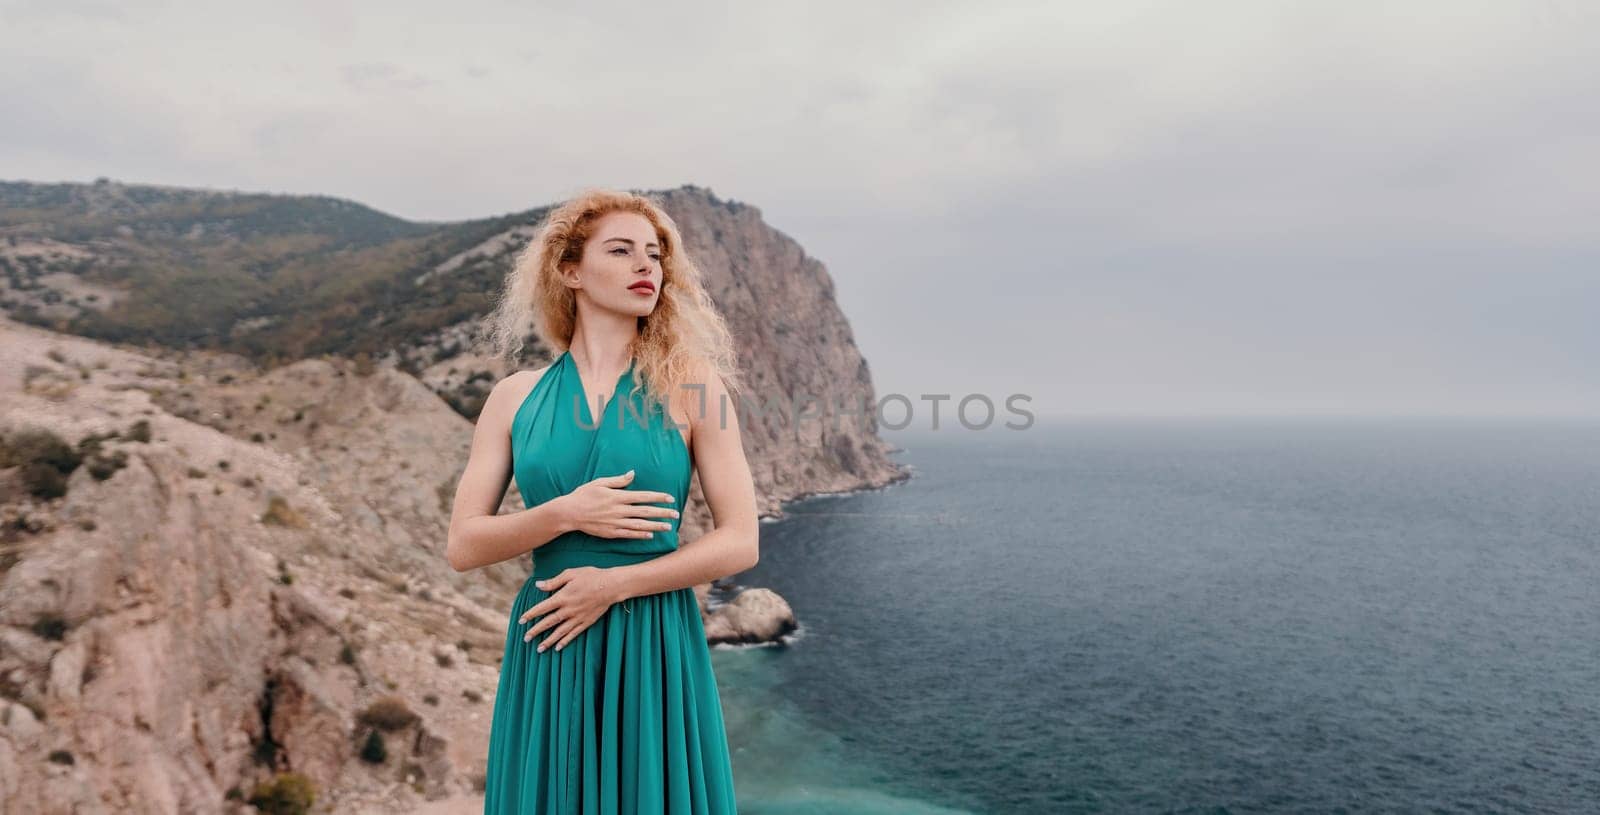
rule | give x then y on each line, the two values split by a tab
274	277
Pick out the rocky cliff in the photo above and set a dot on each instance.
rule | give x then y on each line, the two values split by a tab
221	579
217	595
794	344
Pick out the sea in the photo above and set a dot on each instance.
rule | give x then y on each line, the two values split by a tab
1200	615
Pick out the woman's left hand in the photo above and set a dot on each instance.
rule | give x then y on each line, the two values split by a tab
585	593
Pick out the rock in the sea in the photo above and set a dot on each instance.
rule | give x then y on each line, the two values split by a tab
756	615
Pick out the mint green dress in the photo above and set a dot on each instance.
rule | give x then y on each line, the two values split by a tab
626	718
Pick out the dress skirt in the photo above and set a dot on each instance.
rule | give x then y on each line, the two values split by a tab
625	719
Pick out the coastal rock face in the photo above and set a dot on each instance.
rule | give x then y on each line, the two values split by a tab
796	350
808	420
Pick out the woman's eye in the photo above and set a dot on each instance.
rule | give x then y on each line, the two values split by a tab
624	250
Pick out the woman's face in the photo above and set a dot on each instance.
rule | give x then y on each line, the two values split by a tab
621	266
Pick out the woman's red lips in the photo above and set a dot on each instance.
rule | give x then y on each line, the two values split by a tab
643	286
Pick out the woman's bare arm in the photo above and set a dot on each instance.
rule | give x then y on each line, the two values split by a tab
734	544
479	537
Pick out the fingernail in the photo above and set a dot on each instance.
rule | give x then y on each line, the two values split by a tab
540	584
541	649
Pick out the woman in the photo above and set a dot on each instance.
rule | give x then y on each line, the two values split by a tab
607	702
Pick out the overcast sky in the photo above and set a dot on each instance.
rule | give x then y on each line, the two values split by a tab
1131	207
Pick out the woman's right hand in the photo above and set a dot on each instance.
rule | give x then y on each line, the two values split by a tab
605	508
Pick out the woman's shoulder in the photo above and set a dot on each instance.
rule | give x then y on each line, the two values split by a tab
526	378
512	390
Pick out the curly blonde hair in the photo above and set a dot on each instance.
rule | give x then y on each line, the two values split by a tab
683	339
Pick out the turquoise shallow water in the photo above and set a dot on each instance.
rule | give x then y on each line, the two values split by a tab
785	764
1199	616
